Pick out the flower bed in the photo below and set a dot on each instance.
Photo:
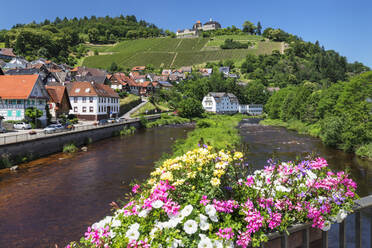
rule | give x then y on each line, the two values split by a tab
206	199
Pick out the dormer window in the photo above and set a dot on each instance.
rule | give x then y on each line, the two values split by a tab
87	90
77	90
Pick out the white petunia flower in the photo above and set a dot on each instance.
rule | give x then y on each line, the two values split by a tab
342	214
115	223
177	243
134	226
144	213
310	175
190	226
229	244
210	210
217	244
205	243
204	225
157	204
214	218
186	211
203	218
282	189
132	234
326	226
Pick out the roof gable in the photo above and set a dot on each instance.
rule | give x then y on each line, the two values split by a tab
18	86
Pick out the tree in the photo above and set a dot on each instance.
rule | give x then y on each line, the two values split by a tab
113	67
249	27
33	114
93	35
190	107
259	28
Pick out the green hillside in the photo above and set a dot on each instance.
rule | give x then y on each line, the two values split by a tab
173	53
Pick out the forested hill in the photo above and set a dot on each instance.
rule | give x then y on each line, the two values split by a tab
58	39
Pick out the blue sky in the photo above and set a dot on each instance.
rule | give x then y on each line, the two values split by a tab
344	26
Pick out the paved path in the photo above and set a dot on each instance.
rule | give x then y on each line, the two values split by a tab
127	114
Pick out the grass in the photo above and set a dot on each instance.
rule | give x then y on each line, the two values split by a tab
127	131
365	151
295	125
167	119
221	133
128	103
160	52
2	44
150	108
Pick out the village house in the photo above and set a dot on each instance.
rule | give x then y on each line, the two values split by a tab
93	101
185	69
225	70
251	109
45	75
16	63
139	69
221	103
160	78
19	92
59	101
165	85
7	53
187	33
136	76
211	25
119	81
86	74
206	72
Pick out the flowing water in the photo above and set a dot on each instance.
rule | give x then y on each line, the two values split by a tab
53	200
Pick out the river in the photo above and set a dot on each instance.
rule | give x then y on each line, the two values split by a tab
53	200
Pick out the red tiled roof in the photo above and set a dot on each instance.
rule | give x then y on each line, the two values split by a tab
17	86
138	68
91	89
56	93
7	52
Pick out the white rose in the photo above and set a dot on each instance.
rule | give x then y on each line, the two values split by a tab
157	204
190	227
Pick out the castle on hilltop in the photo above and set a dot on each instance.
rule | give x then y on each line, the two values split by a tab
197	27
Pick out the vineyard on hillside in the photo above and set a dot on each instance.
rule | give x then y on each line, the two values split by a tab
170	52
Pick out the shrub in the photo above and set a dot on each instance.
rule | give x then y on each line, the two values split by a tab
127	131
70	148
365	151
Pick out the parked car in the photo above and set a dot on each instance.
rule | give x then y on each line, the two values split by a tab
102	122
22	125
60	127
51	128
111	120
2	130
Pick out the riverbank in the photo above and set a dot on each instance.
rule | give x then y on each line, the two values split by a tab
314	130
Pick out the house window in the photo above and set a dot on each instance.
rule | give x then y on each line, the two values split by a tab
84	109
90	99
84	99
75	109
91	109
18	113
75	99
10	113
40	102
19	101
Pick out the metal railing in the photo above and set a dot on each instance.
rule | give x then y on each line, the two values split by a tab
361	205
10	139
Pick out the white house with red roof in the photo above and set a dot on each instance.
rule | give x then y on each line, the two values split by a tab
19	92
93	101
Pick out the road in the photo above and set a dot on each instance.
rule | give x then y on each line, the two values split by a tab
127	114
